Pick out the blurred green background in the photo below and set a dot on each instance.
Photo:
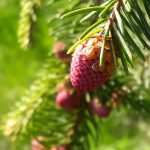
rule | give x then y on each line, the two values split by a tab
18	69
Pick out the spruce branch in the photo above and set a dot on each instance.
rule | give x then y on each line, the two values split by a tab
37	115
18	120
27	19
85	128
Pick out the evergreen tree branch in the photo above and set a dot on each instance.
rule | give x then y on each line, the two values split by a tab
27	19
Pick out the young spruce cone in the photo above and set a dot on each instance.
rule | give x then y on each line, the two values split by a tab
99	109
60	53
86	75
67	100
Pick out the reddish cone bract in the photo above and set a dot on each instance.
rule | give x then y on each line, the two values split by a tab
59	148
86	75
59	51
59	46
101	110
36	145
68	100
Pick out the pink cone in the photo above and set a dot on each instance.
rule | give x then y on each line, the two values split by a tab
98	109
67	100
86	75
